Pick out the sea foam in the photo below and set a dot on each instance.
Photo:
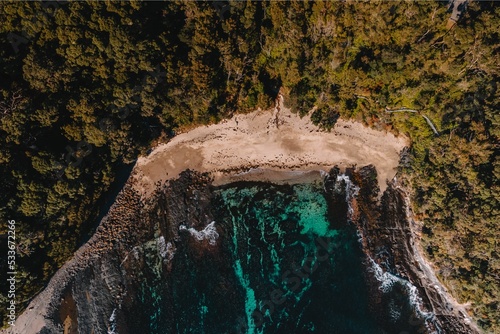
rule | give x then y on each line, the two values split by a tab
112	321
208	233
387	281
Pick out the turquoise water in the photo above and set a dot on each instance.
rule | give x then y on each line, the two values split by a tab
284	247
280	265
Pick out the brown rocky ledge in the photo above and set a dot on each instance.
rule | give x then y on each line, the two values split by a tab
222	149
86	290
390	237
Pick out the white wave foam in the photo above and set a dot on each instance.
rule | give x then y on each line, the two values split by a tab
323	173
387	280
112	321
208	233
350	190
166	249
162	246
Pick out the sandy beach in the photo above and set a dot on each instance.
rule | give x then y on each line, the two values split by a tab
272	146
255	146
268	146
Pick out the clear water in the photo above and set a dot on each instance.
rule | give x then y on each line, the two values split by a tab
280	265
296	272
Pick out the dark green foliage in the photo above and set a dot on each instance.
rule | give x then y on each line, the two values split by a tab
86	86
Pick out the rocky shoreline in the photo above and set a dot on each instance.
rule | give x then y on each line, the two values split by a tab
117	230
93	291
390	239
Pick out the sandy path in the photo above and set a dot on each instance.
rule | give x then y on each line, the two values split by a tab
254	140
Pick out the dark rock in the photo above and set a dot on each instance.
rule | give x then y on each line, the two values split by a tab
134	243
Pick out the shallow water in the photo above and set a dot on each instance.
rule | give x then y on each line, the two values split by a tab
279	264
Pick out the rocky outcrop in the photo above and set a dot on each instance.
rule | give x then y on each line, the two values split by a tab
91	274
389	238
133	249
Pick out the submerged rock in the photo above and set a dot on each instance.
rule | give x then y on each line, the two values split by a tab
165	264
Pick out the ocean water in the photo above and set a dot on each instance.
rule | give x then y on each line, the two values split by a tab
273	261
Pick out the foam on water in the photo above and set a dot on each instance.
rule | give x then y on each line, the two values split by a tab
268	237
274	212
208	233
112	321
350	189
162	246
387	281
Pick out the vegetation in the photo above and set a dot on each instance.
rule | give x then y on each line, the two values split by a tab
86	87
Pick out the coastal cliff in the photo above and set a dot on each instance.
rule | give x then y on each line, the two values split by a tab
142	244
390	239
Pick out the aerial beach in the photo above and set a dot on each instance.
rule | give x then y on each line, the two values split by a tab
250	167
247	147
256	140
253	149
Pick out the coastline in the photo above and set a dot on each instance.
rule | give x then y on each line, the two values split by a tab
437	294
274	140
261	151
268	176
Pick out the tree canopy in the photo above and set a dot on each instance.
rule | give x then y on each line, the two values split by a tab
87	86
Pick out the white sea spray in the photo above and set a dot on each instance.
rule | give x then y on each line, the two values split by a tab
112	321
387	280
162	246
165	249
208	233
350	189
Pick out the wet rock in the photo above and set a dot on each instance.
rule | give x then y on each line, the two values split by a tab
142	241
387	238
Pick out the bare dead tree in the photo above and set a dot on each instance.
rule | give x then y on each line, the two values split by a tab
402	109
11	105
430	124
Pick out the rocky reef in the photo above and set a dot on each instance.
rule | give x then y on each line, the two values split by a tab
149	261
390	241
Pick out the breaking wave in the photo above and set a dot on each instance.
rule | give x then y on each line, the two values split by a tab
208	233
387	281
112	321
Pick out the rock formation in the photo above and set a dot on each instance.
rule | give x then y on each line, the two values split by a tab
134	246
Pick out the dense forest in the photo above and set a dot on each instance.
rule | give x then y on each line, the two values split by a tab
86	87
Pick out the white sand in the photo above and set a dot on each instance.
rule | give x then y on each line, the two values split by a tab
255	141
